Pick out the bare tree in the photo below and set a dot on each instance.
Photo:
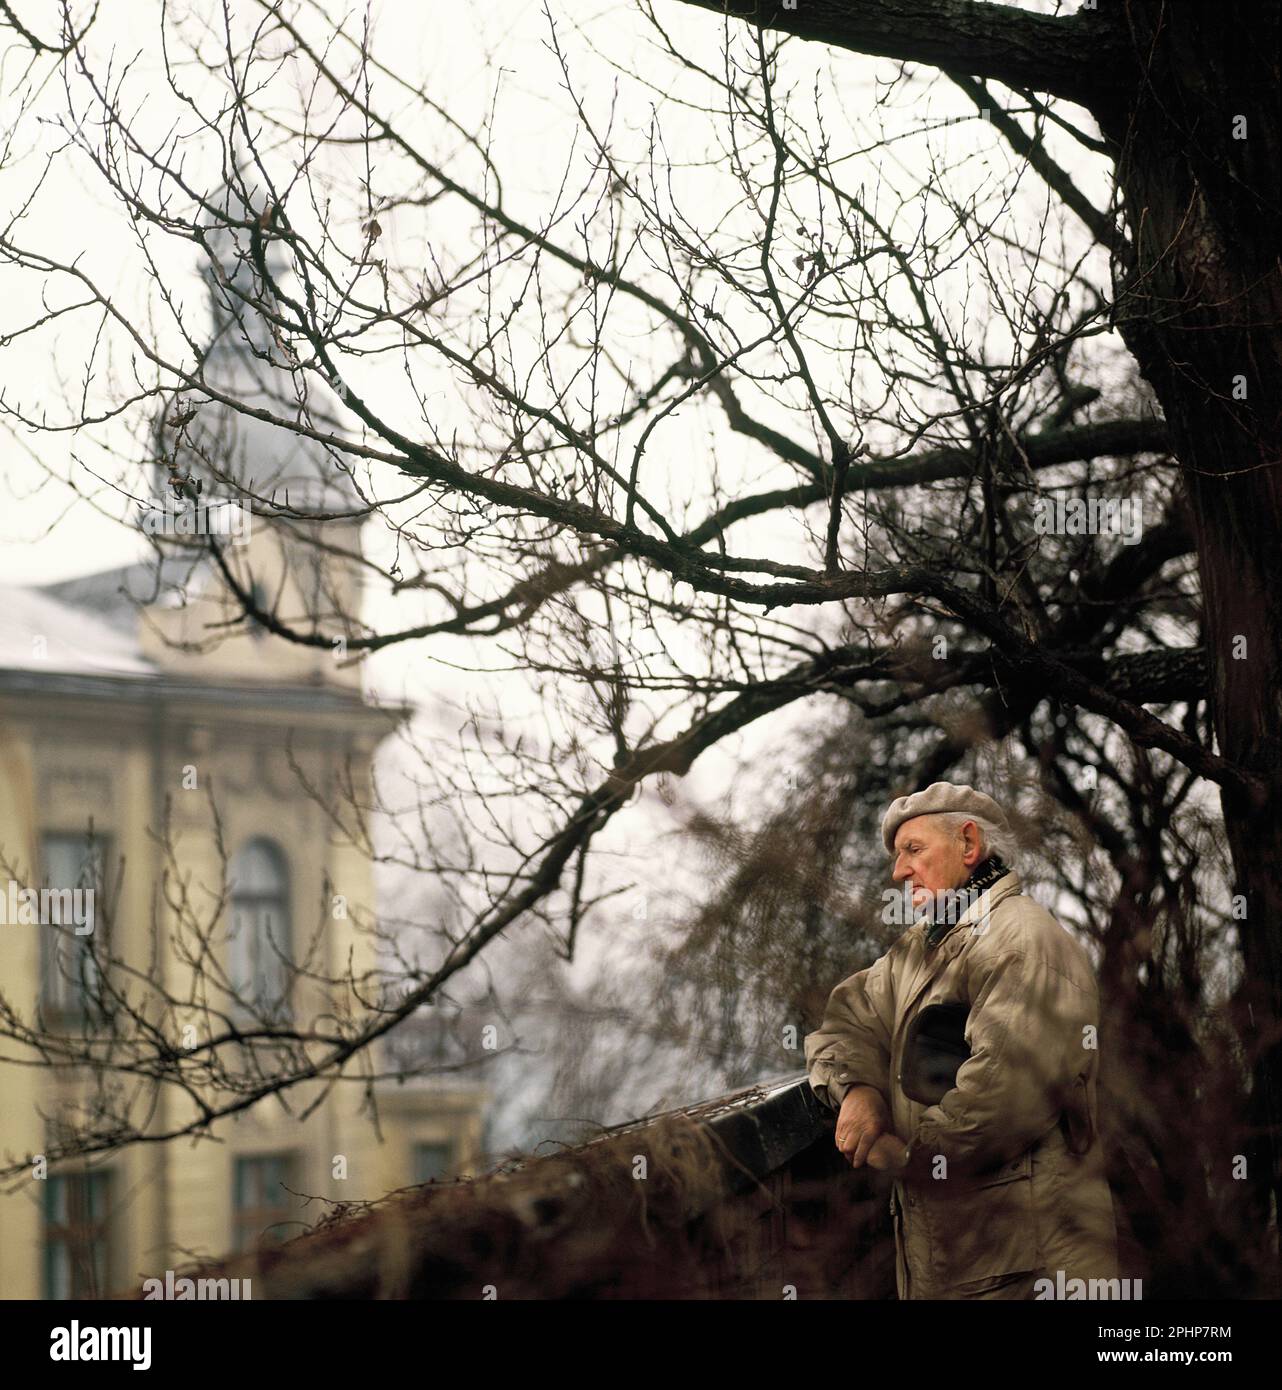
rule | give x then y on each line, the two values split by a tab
781	405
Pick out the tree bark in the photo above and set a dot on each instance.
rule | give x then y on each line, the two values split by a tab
1074	56
1196	141
1186	96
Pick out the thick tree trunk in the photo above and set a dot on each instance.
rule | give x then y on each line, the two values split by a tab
1186	94
1200	305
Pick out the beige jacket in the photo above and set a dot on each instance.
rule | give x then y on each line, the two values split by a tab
992	1188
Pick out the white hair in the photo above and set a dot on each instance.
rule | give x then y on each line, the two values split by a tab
992	838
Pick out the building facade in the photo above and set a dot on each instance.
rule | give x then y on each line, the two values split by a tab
200	775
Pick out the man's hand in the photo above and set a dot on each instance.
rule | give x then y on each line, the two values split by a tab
862	1120
887	1154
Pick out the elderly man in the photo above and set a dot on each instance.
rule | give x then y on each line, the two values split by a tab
964	1062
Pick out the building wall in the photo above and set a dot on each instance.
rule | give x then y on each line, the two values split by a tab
125	761
202	639
20	1214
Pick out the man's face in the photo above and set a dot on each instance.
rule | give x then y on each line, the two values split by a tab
931	856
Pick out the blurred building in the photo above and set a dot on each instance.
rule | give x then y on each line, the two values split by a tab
198	773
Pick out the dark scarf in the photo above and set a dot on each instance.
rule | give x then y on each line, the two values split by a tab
982	877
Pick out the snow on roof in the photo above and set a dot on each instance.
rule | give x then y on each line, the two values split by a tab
116	595
39	633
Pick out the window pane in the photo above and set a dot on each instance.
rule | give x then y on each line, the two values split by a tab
258	869
247	1174
68	971
432	1161
63	857
56	1200
96	1196
258	930
261	1201
57	1271
77	1235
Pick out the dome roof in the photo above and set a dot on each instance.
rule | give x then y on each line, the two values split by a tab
246	361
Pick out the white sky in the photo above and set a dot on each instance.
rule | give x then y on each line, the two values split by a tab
472	59
476	61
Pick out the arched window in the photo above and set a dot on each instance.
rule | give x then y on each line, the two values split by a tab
259	937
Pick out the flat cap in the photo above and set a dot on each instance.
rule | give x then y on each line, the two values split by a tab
940	796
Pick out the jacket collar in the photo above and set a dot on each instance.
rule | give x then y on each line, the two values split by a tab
954	940
978	910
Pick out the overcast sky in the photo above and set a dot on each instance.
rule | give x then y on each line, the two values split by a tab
483	62
488	60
